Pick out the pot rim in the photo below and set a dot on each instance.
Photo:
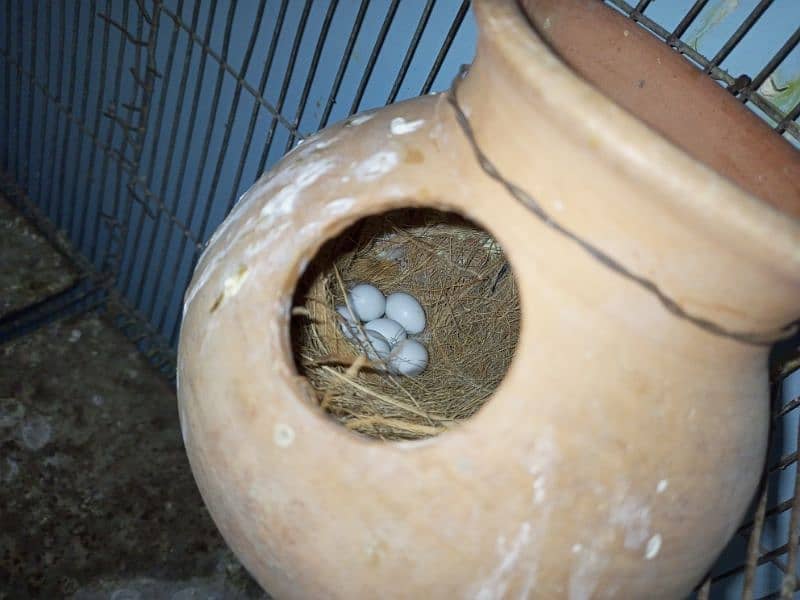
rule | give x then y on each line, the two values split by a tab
505	28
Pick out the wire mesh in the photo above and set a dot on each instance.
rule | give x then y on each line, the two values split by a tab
130	128
750	88
128	182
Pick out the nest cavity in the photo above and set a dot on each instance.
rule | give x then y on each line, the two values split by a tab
461	277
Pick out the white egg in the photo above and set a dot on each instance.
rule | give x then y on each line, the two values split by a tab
347	323
348	329
346	314
406	310
367	301
391	330
409	357
376	346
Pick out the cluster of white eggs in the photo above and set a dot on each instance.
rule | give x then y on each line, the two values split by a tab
386	322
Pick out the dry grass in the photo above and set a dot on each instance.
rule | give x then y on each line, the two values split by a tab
462	279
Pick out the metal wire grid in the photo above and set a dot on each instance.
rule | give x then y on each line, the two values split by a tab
743	565
747	553
117	222
106	235
121	219
745	87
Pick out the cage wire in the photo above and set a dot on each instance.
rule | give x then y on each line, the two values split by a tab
130	128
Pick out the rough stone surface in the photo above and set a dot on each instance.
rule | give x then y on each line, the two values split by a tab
30	269
97	498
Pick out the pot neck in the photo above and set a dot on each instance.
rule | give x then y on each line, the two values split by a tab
551	133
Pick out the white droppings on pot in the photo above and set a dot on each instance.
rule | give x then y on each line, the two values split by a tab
238	210
283	435
558	205
376	165
538	490
626	33
633	516
359	120
313	171
283	202
662	486
268	240
399	126
503	21
340	205
496	584
322	144
436	131
548	23
521	558
576	548
233	283
541	462
394	191
653	547
310	230
205	272
587	569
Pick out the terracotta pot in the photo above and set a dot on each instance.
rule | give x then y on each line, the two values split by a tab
624	445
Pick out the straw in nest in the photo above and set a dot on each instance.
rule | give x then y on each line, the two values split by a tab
462	279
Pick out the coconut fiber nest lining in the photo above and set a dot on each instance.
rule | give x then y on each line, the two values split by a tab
462	279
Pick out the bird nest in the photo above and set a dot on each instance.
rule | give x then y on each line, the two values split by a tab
461	277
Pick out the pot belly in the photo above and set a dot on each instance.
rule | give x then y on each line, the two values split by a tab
615	459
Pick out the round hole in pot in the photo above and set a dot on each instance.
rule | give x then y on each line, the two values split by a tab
466	287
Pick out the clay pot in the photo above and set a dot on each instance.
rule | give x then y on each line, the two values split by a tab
624	445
